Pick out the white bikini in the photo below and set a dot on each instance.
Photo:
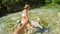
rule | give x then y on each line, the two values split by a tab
23	16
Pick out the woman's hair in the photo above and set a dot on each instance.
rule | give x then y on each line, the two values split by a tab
27	6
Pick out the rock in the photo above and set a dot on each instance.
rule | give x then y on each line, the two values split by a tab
36	25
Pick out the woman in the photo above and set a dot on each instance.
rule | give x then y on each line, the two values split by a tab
22	29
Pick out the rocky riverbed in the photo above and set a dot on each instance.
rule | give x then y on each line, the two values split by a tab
9	23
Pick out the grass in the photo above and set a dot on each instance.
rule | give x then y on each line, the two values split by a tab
51	16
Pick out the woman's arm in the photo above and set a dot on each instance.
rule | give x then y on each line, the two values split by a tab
30	23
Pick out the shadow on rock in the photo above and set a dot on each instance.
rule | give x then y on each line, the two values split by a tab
41	31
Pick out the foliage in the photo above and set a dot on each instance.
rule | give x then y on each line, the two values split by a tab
48	1
7	6
10	2
58	2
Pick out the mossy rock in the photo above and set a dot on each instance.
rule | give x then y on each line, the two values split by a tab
44	23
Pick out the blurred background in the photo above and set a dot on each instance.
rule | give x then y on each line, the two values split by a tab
47	10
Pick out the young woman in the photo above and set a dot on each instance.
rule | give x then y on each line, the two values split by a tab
22	29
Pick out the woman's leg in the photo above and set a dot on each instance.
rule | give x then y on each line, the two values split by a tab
26	30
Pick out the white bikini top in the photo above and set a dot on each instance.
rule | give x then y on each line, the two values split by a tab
24	14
